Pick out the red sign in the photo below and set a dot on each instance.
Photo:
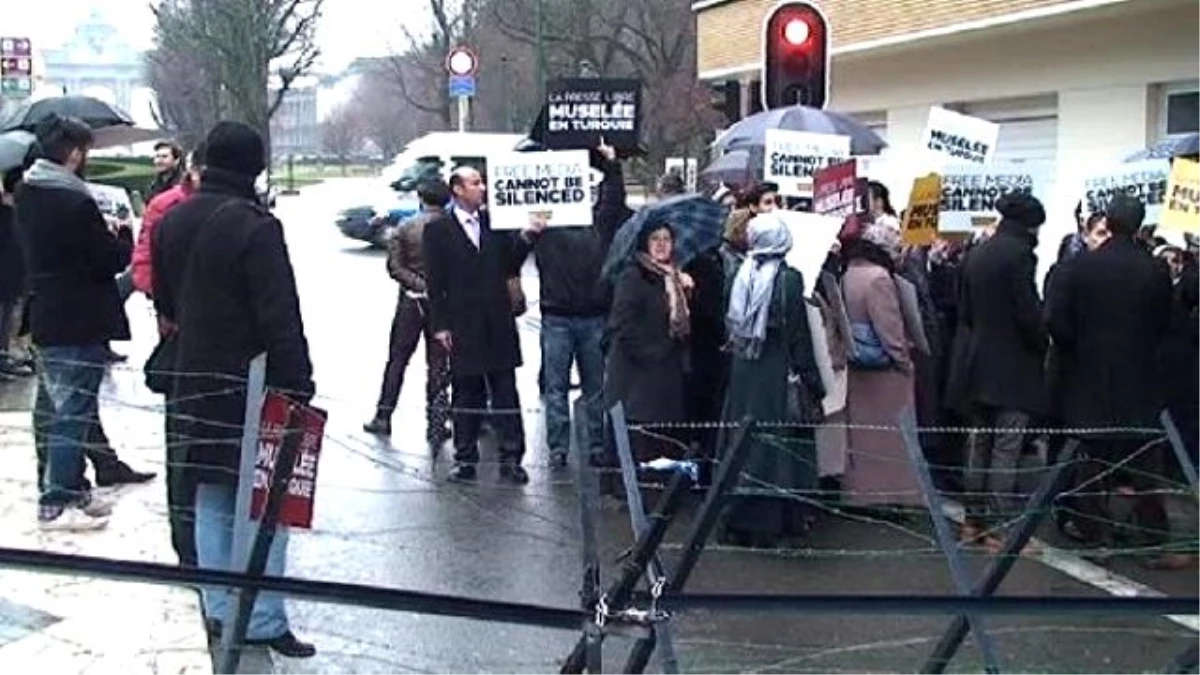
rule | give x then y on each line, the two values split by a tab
297	509
10	46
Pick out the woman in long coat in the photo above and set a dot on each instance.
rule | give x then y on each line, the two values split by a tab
771	343
649	328
878	469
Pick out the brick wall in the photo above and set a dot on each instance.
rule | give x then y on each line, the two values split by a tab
730	33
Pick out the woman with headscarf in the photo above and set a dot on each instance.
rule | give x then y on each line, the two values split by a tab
881	381
649	330
771	347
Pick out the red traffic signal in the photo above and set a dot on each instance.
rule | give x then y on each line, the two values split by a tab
795	56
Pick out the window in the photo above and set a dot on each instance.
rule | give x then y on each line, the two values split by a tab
1183	112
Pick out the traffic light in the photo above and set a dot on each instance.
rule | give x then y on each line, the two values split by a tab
795	56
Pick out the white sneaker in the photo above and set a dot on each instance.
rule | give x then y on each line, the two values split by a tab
73	519
97	507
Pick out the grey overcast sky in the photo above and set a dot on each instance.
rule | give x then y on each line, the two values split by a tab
349	29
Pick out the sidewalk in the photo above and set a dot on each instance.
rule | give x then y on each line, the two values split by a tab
63	624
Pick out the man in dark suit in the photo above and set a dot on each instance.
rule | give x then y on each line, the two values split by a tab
471	314
1110	315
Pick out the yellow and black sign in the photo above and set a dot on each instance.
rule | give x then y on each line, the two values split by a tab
920	226
1181	209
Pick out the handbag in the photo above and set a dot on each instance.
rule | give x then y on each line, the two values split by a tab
866	349
516	296
161	364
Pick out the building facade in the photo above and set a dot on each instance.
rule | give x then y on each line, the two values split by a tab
97	62
1073	83
295	129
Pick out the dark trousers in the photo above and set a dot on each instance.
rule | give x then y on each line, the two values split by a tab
181	494
993	461
471	404
1096	480
408	325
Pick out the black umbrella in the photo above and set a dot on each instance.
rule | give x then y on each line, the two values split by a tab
1177	145
95	113
736	167
14	149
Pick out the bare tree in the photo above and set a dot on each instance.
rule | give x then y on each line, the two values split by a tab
257	49
378	101
342	134
182	76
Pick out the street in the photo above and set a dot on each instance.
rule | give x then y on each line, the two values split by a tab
385	516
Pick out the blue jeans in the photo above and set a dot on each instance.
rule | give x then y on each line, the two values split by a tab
68	387
214	547
567	340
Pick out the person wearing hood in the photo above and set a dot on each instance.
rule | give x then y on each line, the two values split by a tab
1110	317
223	281
574	303
771	345
1002	363
73	258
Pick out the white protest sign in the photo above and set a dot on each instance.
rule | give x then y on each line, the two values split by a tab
812	237
1145	180
790	158
961	138
554	185
970	192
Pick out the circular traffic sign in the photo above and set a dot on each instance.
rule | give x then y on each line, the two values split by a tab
461	61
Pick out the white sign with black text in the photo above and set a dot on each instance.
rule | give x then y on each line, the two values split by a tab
555	186
1145	180
959	137
970	192
790	158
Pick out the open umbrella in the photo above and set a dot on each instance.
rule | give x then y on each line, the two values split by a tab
751	131
14	148
697	221
1176	145
94	112
111	137
736	167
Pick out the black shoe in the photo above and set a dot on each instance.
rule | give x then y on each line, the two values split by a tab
122	475
514	473
114	357
462	473
378	427
288	645
16	368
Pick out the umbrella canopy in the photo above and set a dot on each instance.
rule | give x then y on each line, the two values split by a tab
697	221
111	137
751	131
94	112
14	147
1177	145
736	167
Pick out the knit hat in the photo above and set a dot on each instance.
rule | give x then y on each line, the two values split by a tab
1023	209
237	148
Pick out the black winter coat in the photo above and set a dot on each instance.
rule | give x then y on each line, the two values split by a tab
1110	316
646	367
12	260
225	278
72	260
468	293
1000	358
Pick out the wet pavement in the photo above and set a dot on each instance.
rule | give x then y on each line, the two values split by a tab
385	516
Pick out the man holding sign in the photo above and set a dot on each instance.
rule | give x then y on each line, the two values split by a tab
471	314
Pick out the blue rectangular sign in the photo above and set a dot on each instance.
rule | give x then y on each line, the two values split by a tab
462	85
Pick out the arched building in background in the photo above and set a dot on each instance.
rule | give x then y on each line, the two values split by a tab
96	60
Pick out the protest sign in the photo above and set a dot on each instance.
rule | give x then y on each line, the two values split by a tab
790	158
920	225
1145	180
961	138
555	186
838	191
813	235
1182	210
970	192
580	111
297	508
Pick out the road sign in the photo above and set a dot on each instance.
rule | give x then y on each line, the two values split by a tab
14	65
11	46
462	61
16	87
462	86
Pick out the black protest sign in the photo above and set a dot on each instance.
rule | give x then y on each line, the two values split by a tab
580	111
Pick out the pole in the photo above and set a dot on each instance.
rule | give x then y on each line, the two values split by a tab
464	110
541	50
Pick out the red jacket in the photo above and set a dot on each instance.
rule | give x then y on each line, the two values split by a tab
143	278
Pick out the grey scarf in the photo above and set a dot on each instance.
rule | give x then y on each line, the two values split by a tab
47	174
750	296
